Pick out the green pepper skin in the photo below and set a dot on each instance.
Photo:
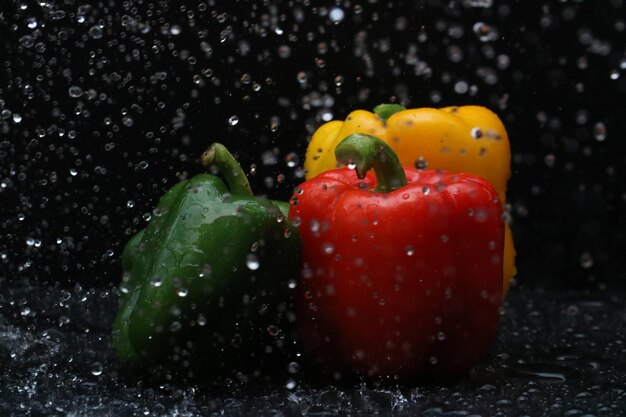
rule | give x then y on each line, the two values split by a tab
207	279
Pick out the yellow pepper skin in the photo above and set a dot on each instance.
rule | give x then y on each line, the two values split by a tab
470	139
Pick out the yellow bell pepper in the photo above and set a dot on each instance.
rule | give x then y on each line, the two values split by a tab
469	139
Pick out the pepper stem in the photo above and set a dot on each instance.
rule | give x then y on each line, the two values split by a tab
228	166
385	111
365	152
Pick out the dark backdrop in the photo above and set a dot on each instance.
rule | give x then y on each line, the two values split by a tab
103	107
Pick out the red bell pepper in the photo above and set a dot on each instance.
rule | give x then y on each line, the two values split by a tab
402	269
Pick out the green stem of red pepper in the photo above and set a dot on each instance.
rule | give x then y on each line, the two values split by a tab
228	166
365	152
384	111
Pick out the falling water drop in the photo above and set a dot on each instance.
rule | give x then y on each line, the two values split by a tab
252	262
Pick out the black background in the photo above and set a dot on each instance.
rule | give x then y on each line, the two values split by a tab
81	171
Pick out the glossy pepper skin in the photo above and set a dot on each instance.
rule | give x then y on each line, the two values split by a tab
469	139
206	280
402	270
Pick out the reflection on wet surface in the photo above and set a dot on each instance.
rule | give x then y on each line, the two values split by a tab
556	354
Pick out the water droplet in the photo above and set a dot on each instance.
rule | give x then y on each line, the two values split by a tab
461	87
182	292
27	41
159	211
284	51
201	320
292	159
586	260
328	248
17	118
572	310
233	120
421	163
175	30
269	158
75	91
481	215
245	78
96	32
96	369
485	32
410	251
205	271
352	165
543	372
84	9
127	121
599	131
73	172
291	384
478	3
273	330
336	15
58	15
293	367
236	341
302	77
156	282
476	133
252	262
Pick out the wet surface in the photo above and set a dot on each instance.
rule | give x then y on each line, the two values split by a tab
557	353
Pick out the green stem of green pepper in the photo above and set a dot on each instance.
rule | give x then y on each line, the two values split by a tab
229	167
365	152
385	111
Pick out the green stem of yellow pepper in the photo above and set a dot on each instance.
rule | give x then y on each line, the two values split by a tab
384	111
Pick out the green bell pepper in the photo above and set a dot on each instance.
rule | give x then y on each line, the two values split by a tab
207	280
